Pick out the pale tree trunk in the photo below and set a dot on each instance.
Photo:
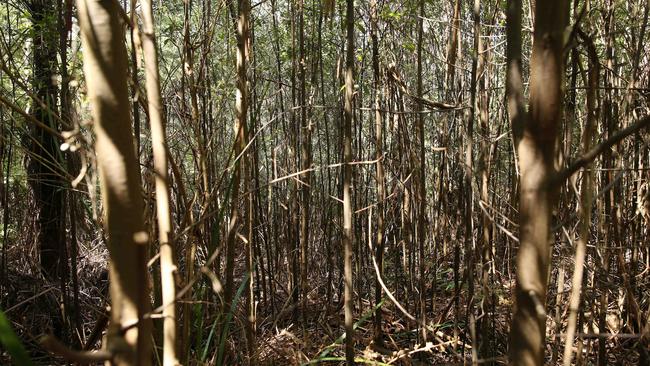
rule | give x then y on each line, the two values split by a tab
241	110
347	181
452	46
305	189
239	130
379	142
538	188
585	203
247	35
105	67
470	243
293	234
485	325
158	142
187	78
514	82
450	78
422	192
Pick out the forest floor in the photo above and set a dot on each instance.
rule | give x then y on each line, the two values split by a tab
283	338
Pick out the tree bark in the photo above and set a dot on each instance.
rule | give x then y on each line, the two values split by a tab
379	166
105	67
241	111
44	164
305	189
347	181
538	189
422	166
163	211
585	202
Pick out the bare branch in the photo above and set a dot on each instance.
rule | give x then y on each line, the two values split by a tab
55	346
592	154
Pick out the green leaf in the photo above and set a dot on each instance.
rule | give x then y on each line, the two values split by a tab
325	353
224	334
209	341
11	343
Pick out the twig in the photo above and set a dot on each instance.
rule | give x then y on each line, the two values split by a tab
593	153
381	281
29	118
30	299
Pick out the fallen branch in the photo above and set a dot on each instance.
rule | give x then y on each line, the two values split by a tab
83	357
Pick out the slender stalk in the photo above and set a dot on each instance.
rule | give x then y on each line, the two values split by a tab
422	167
347	181
379	166
158	142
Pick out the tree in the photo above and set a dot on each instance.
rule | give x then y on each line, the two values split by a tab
306	156
535	140
239	128
379	166
165	235
347	181
105	68
356	181
422	167
44	167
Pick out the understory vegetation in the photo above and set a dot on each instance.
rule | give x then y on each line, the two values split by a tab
267	182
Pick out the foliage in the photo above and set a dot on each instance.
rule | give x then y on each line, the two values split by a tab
11	343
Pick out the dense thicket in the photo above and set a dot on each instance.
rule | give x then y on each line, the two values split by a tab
388	182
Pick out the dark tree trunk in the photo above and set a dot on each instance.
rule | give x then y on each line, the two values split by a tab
44	156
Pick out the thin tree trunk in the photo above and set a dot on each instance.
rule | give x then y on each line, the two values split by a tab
191	245
485	325
469	177
252	184
379	166
241	110
305	188
585	201
133	35
105	66
293	245
347	180
159	144
538	189
44	165
422	166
